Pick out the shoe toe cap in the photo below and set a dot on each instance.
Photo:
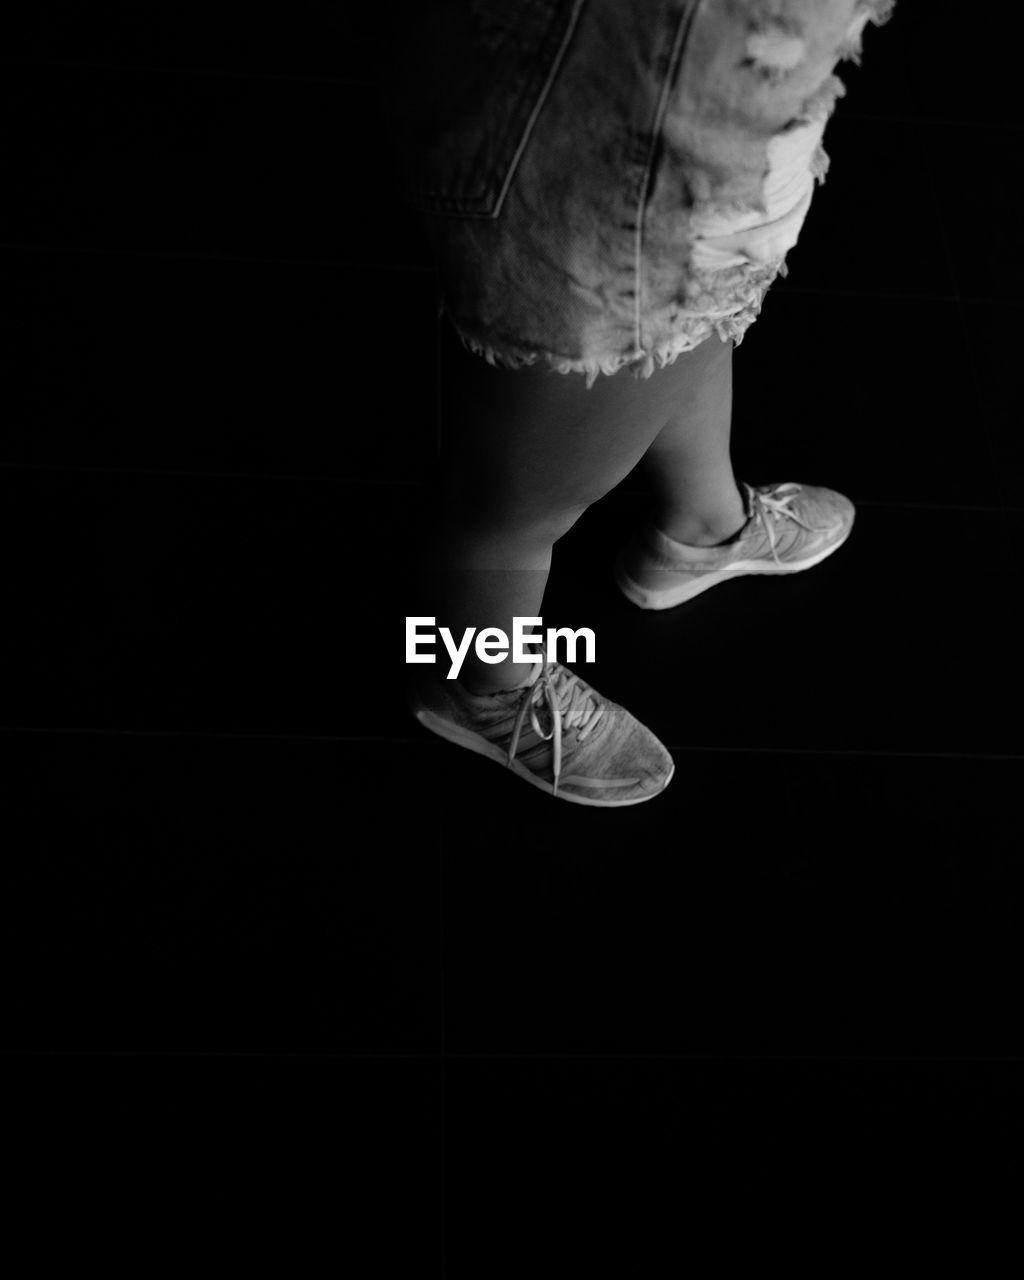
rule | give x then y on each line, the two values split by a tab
832	511
845	510
643	757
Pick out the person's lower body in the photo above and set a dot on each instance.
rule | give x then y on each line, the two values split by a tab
524	454
655	166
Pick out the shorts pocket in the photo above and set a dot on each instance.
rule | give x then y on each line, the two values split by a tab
462	93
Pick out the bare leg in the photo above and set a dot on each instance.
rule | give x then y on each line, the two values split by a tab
525	453
697	500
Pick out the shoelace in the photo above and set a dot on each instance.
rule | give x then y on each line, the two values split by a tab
571	707
763	506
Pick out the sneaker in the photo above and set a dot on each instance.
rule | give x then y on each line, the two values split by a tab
789	527
555	732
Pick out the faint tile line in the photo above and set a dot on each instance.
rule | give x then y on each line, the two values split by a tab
433	744
211	255
216	73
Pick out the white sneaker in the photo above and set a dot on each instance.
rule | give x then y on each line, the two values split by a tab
789	527
555	732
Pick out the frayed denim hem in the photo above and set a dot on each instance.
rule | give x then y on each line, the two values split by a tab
729	328
728	312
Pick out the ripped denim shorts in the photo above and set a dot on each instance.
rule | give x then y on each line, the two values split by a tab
604	183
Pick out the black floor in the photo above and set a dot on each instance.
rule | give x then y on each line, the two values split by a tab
253	917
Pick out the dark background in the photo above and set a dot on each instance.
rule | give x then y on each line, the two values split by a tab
256	925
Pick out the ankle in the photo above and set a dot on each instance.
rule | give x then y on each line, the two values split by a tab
703	533
704	528
485	681
702	537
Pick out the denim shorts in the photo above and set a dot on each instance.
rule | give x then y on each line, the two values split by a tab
606	183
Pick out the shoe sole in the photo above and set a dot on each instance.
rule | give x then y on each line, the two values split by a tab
473	742
672	596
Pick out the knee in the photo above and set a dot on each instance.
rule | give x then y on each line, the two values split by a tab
527	525
557	524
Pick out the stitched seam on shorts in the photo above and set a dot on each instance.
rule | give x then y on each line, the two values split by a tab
542	98
678	45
